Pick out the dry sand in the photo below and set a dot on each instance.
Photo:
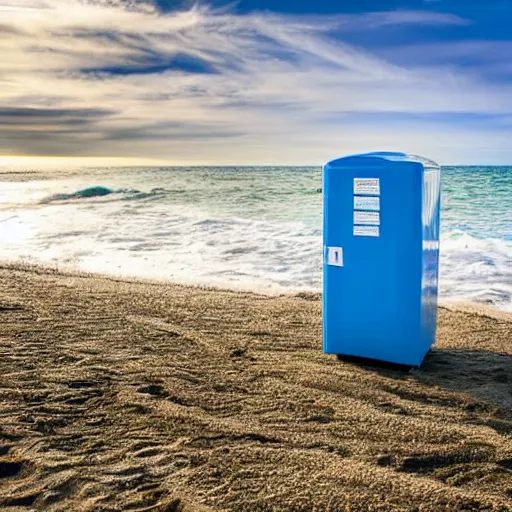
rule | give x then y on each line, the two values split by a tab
146	397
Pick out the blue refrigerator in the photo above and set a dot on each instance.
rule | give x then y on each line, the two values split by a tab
381	256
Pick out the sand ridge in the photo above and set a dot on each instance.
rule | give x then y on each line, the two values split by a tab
138	396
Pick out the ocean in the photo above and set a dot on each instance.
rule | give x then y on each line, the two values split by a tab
244	228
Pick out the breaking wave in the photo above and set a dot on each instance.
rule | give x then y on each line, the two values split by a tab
101	192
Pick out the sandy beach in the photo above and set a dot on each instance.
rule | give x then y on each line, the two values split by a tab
132	396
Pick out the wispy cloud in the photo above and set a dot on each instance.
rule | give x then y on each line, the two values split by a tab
107	78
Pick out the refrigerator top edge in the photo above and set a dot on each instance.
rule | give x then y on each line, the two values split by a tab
381	158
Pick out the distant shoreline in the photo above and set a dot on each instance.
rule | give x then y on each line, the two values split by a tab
49	270
452	305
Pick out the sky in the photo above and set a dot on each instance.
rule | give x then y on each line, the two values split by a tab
254	82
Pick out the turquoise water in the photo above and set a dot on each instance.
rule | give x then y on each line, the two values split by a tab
245	228
478	201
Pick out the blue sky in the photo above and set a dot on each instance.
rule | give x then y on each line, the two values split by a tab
255	81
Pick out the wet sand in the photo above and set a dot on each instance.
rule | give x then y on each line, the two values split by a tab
151	397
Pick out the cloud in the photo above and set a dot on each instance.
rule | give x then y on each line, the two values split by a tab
401	17
156	65
107	78
9	115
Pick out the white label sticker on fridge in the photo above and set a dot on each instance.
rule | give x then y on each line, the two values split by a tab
335	256
367	203
372	218
366	231
369	186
